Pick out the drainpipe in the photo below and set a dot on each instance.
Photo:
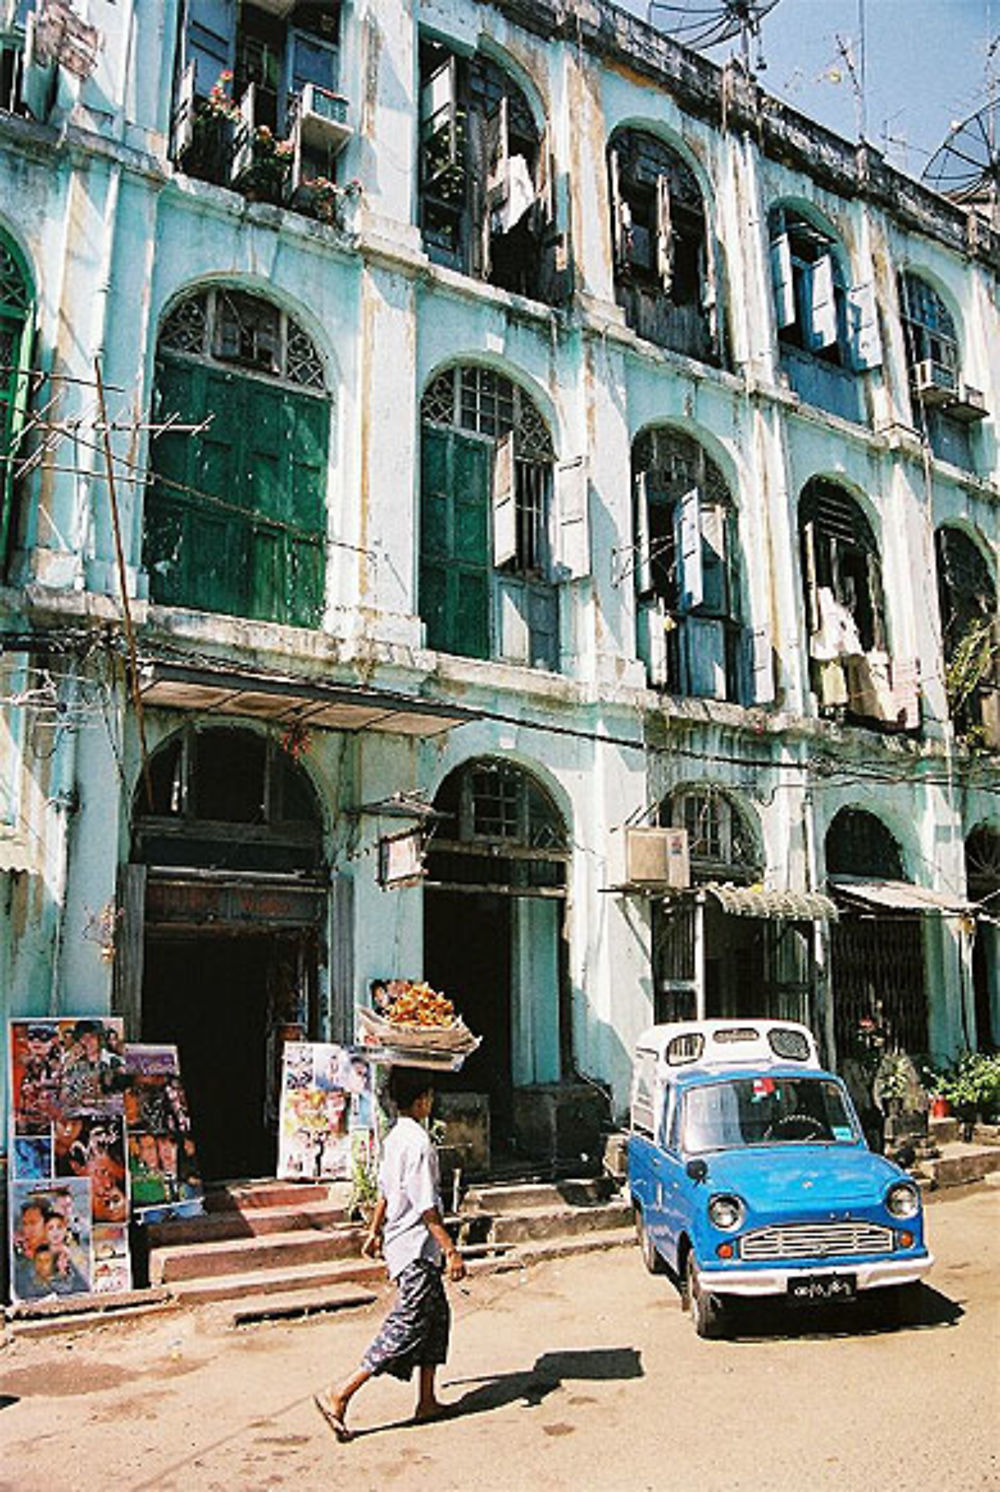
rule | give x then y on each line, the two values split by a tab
61	804
699	955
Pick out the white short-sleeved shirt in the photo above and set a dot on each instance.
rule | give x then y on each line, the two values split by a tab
409	1180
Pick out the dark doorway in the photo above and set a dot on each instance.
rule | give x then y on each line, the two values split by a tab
209	995
467	942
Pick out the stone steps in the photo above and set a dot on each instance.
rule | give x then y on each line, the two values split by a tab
291	1246
959	1164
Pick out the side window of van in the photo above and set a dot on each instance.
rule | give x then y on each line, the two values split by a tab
668	1135
642	1093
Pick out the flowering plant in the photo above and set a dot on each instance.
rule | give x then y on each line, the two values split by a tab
219	104
325	198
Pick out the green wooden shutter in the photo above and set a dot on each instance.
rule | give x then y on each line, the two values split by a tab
16	336
455	568
258	551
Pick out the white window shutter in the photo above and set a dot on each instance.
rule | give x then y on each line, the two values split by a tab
781	278
822	305
243	152
504	501
182	121
652	639
573	518
497	157
761	666
664	235
862	323
690	579
642	566
619	215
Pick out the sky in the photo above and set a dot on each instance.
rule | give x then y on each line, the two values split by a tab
926	65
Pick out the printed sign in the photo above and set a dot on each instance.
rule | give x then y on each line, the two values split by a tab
165	1178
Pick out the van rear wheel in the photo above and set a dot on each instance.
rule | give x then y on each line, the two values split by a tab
647	1247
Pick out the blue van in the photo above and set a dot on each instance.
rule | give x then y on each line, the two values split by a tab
749	1173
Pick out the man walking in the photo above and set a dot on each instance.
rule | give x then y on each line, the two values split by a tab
408	1227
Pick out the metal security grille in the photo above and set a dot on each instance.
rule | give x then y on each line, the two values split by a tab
817	1241
877	973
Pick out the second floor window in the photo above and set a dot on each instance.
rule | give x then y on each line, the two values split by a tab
664	265
486	185
945	407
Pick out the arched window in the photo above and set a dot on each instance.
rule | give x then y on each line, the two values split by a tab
16	326
944	404
970	633
489	550
859	844
686	570
486	186
236	514
851	672
227	798
982	874
721	844
664	265
827	330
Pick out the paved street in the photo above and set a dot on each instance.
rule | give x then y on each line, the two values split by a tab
580	1373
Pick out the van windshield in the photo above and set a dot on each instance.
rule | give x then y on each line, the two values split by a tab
766	1111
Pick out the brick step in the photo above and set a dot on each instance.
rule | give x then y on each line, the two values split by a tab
240	1255
564	1222
254	1221
239	1196
516	1196
960	1165
283	1279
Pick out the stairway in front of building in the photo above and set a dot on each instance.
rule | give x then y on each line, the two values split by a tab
292	1247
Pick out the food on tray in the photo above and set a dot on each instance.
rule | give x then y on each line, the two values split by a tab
405	1002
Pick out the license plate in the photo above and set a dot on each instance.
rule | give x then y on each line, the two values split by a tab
818	1287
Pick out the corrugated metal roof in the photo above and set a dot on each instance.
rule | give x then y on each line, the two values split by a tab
757	901
900	897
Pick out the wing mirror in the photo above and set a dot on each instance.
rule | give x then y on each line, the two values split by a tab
697	1170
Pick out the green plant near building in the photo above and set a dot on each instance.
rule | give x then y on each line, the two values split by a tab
971	1085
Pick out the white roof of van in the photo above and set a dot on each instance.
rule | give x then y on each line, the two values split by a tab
714	1043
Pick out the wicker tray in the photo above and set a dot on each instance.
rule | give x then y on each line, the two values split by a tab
439	1047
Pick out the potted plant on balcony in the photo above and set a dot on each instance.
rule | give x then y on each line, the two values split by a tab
320	198
213	132
266	177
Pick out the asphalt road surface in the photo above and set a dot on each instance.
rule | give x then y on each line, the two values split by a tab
581	1373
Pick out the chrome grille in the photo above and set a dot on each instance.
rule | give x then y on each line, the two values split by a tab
816	1240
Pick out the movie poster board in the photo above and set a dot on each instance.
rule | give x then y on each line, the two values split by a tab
165	1178
327	1103
68	1180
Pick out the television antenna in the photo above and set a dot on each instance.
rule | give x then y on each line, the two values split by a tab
966	167
707	23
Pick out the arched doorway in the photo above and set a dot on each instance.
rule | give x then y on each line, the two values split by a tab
494	905
236	514
877	956
227	883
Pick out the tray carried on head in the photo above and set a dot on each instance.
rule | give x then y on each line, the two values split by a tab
441	1048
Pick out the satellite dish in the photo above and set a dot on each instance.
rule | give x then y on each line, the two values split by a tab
966	167
706	23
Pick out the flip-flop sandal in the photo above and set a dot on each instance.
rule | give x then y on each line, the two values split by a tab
336	1424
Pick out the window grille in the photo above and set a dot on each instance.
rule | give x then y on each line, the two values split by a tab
236	328
718	835
859	844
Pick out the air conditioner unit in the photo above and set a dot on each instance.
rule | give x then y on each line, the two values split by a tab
323	116
969	404
933	381
657	857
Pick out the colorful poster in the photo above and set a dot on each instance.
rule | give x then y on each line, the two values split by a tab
67	1151
50	1242
326	1096
165	1180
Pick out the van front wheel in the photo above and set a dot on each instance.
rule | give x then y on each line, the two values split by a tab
706	1312
647	1247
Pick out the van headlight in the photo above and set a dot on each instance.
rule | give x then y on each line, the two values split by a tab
726	1212
903	1199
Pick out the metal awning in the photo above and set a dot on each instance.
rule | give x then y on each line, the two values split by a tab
756	901
899	898
288	701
